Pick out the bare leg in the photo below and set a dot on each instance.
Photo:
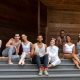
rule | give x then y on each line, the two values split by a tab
76	58
22	60
76	63
10	53
9	61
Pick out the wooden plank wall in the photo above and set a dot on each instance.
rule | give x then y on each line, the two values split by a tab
62	19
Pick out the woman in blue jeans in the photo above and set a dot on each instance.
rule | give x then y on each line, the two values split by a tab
40	56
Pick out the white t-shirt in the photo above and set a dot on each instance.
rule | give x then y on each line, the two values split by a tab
52	51
68	48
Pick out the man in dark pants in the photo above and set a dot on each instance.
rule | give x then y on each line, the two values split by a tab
40	56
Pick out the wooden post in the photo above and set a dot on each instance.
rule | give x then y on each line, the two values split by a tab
38	17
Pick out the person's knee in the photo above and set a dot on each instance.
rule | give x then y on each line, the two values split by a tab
46	55
11	48
36	56
36	59
23	54
4	53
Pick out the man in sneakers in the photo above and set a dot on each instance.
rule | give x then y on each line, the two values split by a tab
40	56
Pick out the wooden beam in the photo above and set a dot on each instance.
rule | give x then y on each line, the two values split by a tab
38	17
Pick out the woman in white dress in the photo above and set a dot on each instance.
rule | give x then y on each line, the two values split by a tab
26	49
52	50
70	51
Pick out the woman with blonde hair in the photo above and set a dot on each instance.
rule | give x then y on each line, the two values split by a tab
52	51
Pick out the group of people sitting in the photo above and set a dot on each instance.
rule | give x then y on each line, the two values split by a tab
39	53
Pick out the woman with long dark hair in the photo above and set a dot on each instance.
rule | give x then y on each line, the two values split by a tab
26	49
69	50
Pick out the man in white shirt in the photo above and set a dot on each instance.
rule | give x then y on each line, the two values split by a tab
40	56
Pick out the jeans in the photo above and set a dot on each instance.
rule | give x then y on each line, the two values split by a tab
9	52
40	60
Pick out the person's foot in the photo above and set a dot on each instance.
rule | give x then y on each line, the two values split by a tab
40	72
19	63
23	63
10	62
50	65
46	72
78	66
